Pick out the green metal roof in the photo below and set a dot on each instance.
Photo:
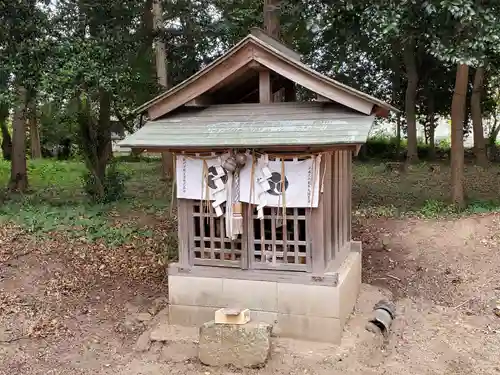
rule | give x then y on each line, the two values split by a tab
255	125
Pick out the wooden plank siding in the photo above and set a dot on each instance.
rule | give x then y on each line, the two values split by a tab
341	207
327	192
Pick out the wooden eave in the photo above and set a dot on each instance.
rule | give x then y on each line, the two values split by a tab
240	59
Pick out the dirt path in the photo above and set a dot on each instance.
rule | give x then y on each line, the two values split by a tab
65	307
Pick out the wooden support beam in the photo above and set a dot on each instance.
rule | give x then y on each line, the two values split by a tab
256	66
320	98
200	101
265	92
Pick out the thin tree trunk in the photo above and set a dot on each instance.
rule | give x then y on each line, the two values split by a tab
161	73
36	148
492	140
477	118
432	139
105	149
398	137
493	133
410	100
6	138
457	134
396	87
18	174
431	126
4	115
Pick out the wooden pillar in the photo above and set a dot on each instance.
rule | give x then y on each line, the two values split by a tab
317	232
265	92
184	214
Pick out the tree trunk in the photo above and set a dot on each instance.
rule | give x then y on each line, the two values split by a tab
161	73
36	148
105	149
272	18
432	139
431	126
18	173
477	118
410	100
493	133
396	87
457	134
6	139
4	115
398	137
160	49
492	140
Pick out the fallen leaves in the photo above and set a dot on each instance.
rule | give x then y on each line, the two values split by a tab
71	276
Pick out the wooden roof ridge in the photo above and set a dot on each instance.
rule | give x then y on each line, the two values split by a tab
269	45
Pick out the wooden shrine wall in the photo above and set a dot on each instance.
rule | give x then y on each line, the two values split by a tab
305	239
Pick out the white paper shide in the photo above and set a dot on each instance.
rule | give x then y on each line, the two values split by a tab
299	187
202	179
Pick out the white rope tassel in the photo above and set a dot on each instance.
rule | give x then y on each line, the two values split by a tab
237	222
229	206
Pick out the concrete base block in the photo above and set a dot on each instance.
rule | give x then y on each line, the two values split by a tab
247	345
301	311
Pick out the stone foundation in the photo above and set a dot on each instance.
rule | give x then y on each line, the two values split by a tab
306	312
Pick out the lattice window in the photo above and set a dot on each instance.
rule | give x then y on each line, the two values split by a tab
278	243
209	243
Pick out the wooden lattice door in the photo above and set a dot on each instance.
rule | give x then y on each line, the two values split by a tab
209	244
280	242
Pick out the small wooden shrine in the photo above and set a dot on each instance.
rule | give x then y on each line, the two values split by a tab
263	183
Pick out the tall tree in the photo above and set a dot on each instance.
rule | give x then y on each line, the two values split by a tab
24	47
162	74
18	173
457	134
477	117
409	54
95	65
272	17
34	131
465	31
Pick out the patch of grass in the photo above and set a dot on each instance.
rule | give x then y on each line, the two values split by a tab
90	223
57	203
477	207
421	192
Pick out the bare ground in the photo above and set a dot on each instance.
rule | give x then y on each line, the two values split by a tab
64	308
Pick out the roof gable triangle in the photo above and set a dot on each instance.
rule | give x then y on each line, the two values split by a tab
268	52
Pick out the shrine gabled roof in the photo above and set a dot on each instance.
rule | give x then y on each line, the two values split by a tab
254	125
260	48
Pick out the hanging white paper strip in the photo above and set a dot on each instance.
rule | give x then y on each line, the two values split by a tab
191	183
301	183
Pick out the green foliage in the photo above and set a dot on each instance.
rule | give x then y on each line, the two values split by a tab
59	205
89	223
433	208
386	148
113	183
418	192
